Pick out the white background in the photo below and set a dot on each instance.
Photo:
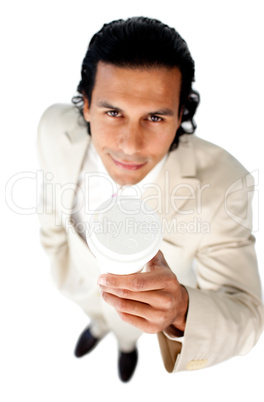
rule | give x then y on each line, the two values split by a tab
42	47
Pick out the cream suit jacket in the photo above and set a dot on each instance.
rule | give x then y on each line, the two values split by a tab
202	196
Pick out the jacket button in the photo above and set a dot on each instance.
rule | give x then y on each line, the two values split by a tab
196	364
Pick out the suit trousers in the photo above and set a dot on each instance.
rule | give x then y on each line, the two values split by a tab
80	285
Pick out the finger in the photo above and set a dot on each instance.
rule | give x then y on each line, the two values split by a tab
140	323
151	297
128	306
139	282
158	261
157	277
138	314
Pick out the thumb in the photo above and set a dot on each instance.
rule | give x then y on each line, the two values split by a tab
157	262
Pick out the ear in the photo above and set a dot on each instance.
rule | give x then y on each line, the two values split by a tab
180	116
86	109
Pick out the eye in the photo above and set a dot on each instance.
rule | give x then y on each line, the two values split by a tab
155	119
113	113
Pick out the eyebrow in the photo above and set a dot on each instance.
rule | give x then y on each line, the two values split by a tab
161	112
106	105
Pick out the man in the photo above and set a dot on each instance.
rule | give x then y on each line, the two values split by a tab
201	293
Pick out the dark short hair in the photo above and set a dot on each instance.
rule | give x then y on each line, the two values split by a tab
141	42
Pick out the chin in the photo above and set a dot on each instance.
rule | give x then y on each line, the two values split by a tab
125	180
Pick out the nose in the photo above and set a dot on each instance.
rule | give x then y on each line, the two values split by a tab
131	139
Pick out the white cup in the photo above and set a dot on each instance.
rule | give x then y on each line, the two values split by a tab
124	234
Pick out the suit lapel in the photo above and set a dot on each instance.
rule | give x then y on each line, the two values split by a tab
75	144
177	182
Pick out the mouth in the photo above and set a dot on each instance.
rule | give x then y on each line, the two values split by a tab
128	165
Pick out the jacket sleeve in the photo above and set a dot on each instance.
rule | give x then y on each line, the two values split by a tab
226	315
53	235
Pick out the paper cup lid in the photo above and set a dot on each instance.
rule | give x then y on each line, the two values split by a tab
124	230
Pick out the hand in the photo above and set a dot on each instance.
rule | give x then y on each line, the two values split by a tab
152	301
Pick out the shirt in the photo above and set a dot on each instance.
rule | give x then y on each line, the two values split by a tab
95	186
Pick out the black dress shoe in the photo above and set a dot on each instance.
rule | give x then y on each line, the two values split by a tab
126	365
85	344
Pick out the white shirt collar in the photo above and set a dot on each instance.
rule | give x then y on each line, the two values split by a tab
133	190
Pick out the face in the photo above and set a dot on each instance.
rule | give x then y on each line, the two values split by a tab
134	116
